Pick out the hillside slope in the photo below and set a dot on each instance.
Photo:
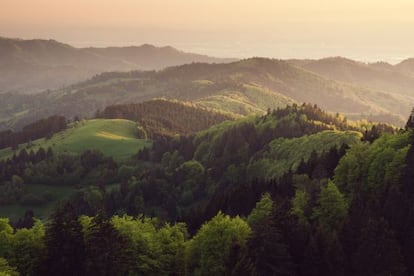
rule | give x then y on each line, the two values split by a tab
243	87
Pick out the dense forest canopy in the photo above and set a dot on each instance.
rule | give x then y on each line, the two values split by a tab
296	191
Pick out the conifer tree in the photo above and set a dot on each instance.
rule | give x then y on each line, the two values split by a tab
378	252
65	245
106	250
268	251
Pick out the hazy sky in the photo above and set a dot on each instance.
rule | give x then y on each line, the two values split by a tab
360	29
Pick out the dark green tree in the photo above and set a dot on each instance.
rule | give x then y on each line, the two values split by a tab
106	250
65	253
312	261
378	252
410	122
239	262
268	251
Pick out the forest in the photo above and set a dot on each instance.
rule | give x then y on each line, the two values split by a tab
297	191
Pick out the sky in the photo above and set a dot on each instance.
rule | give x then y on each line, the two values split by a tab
367	30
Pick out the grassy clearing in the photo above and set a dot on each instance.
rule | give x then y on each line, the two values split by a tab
115	137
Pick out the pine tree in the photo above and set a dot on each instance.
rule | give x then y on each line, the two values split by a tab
268	251
64	242
410	122
106	249
378	252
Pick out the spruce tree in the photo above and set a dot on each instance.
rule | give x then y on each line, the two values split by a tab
378	252
106	249
64	244
268	250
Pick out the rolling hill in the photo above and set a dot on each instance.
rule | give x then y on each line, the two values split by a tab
118	138
31	66
119	131
242	87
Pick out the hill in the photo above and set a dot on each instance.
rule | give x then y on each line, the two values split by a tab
206	171
117	138
406	66
378	76
242	87
31	66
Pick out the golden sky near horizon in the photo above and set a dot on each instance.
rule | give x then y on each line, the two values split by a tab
327	23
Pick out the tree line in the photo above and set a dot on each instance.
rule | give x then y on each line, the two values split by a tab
39	129
165	118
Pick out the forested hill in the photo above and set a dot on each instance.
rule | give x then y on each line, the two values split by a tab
243	87
31	66
229	156
166	118
298	191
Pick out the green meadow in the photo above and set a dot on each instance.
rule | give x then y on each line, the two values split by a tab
118	138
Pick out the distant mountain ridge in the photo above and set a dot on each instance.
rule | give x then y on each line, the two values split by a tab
381	76
31	66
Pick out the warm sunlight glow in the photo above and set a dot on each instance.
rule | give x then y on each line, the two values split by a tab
367	29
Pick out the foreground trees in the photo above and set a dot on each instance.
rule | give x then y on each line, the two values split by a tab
72	245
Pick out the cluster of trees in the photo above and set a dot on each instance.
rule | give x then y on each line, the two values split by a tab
43	166
165	118
46	168
12	173
39	129
120	245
